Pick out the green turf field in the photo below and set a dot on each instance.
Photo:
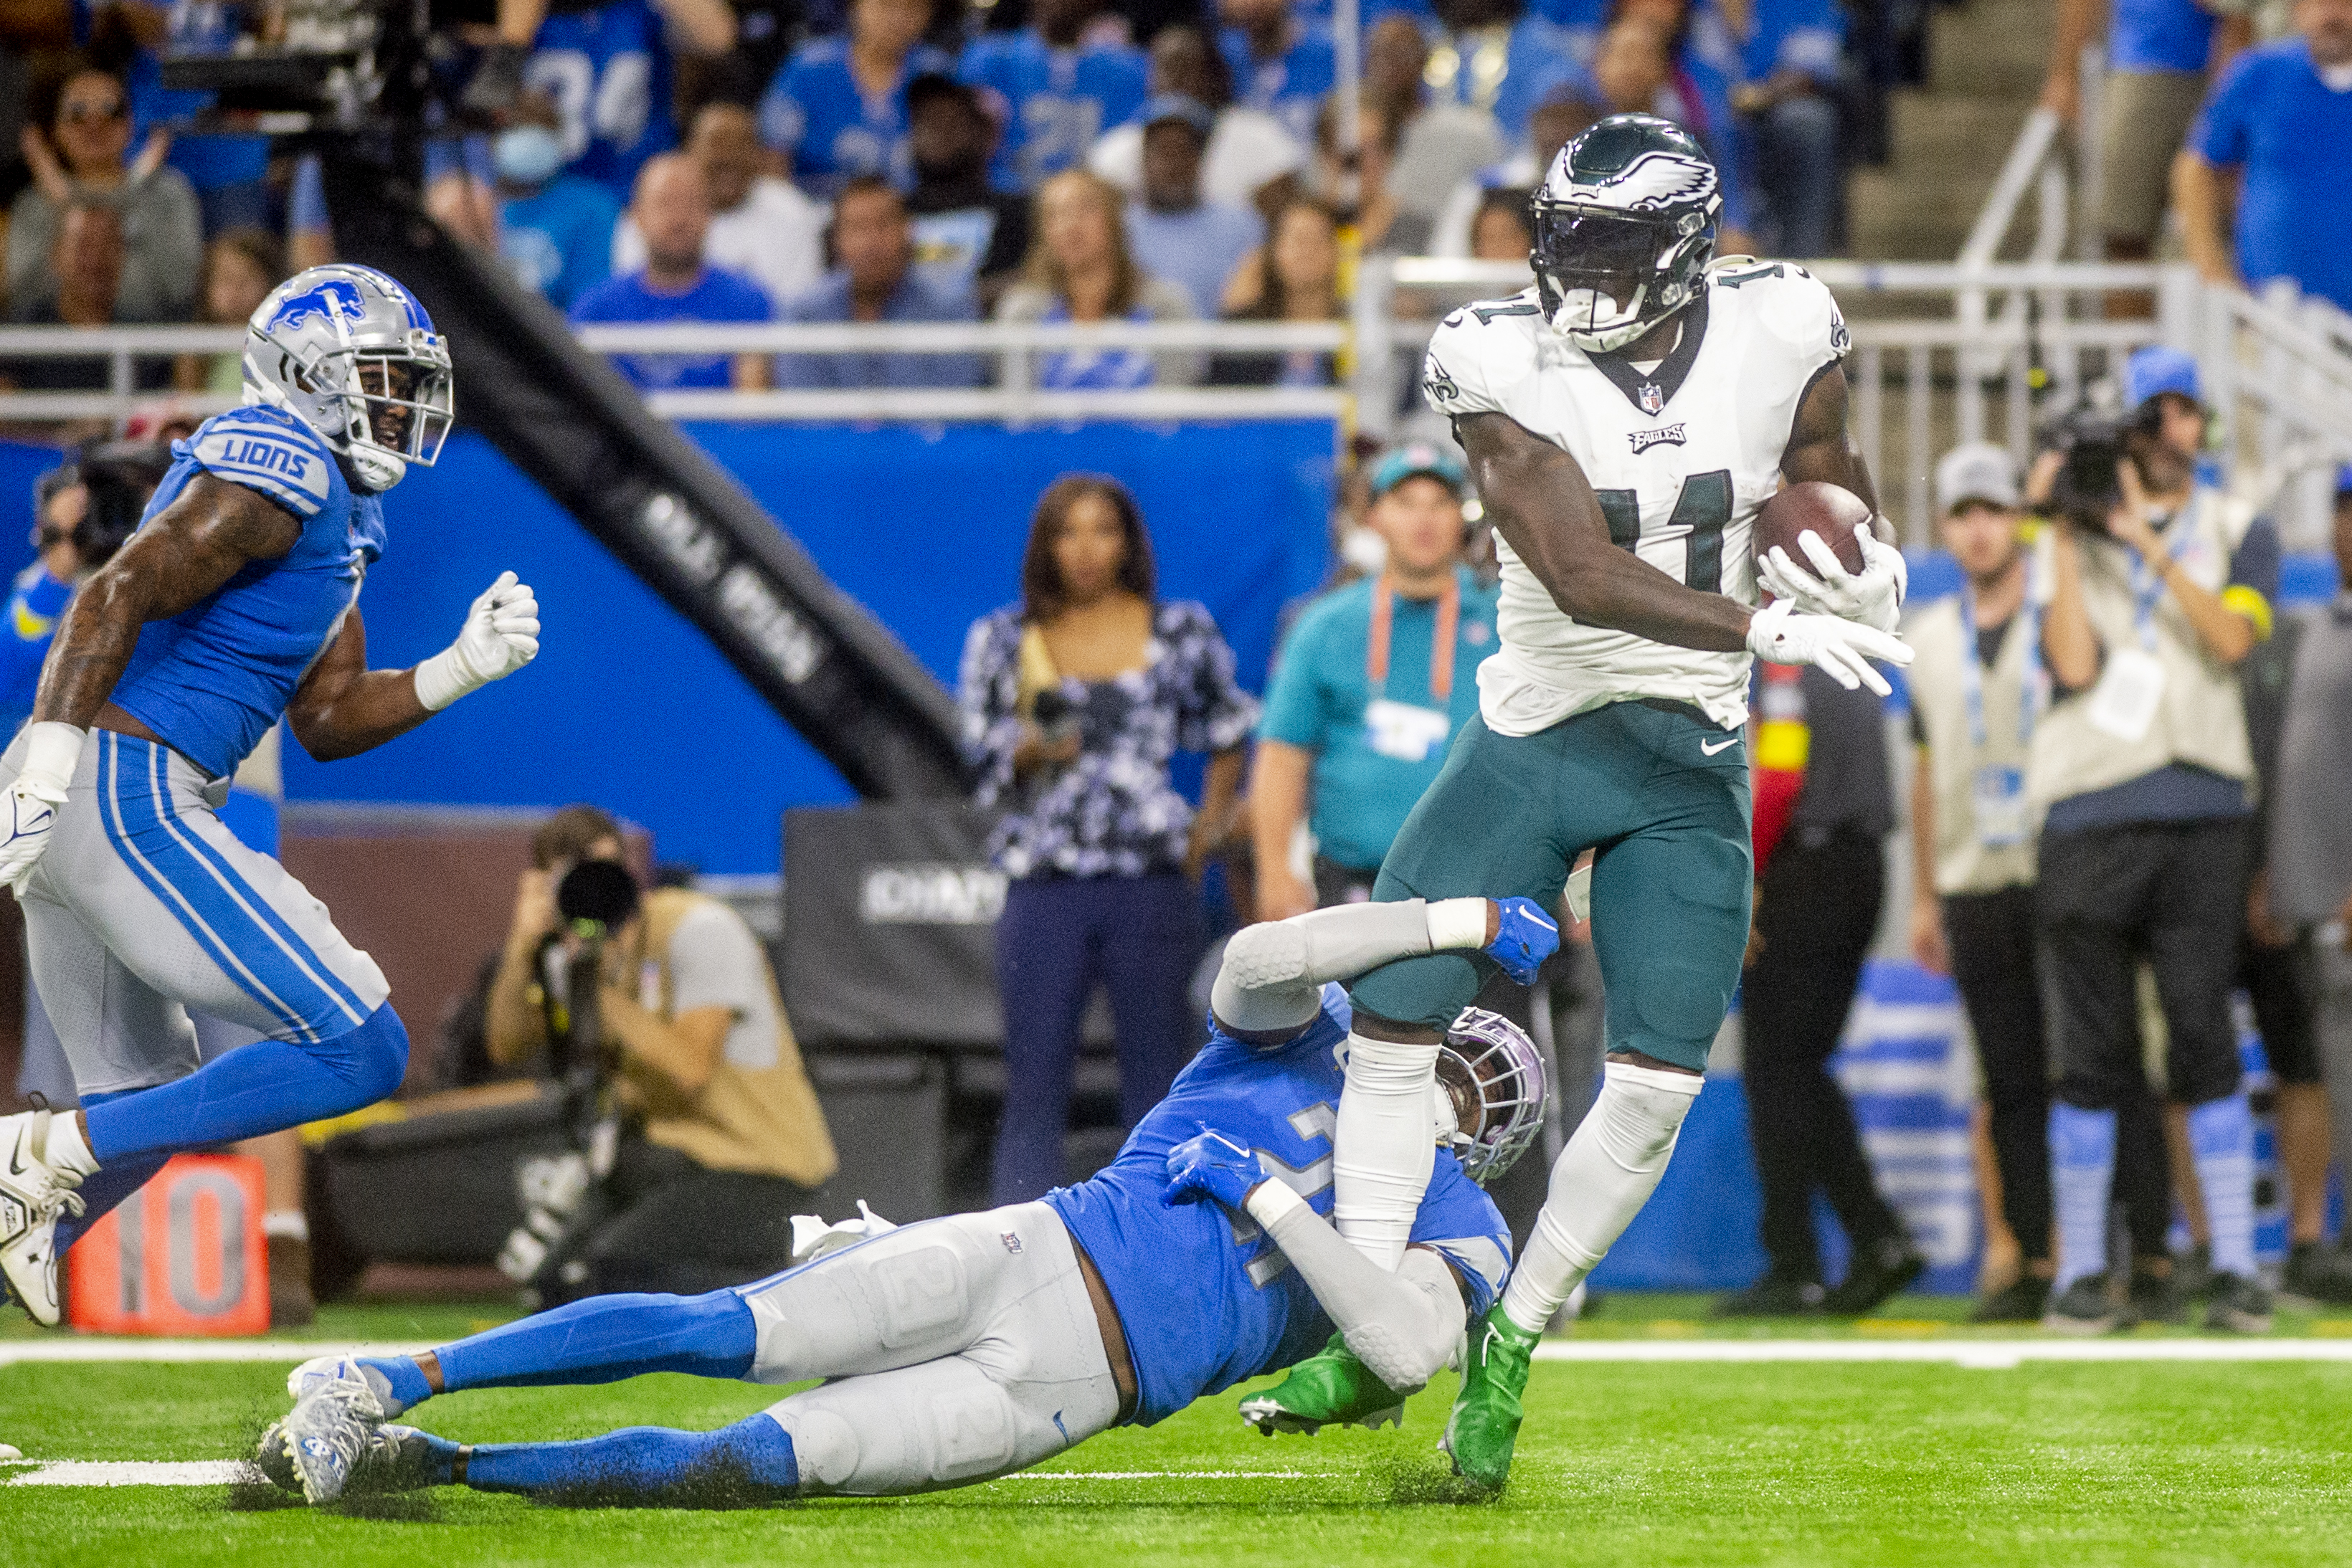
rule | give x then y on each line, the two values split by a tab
1704	1463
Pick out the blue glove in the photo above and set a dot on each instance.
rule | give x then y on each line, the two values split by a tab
1528	938
1211	1166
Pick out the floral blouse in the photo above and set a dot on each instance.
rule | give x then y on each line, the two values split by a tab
1112	811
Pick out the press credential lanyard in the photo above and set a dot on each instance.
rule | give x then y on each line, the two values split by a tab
2148	586
2030	691
1440	644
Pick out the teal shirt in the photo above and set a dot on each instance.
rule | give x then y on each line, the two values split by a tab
1372	764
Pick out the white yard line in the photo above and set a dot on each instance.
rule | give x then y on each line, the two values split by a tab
94	1348
135	1473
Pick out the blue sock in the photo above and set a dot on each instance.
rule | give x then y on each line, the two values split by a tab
2221	1143
2082	1174
102	1191
637	1461
604	1338
407	1379
260	1088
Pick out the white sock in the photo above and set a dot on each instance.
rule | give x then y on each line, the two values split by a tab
2221	1143
285	1225
1602	1180
2082	1178
1384	1145
67	1151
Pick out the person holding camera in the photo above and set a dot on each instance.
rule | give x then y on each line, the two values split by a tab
2159	586
712	1132
82	513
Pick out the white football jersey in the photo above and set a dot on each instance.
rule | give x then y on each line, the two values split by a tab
1681	457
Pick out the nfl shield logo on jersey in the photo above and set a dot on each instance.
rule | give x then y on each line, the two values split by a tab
1651	399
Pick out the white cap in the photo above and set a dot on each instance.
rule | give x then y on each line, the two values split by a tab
1976	471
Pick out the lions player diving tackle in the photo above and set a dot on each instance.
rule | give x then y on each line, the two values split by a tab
235	602
960	1349
1624	418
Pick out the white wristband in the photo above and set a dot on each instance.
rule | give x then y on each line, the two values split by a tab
443	678
52	751
1455	923
1270	1200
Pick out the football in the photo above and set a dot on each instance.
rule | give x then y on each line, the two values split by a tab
1829	510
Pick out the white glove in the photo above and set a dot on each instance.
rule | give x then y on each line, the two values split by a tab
31	802
1779	635
499	637
1874	598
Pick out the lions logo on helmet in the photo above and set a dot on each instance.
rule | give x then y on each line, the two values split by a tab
351	353
1625	225
1490	1076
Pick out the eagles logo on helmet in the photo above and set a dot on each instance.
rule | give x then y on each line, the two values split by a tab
1625	222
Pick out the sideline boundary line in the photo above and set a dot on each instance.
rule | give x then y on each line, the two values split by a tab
230	1472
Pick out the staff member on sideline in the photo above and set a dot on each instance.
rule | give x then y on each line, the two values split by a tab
1373	683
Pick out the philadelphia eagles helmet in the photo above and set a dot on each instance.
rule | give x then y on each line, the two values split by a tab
351	353
1624	223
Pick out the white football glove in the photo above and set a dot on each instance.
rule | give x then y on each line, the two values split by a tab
499	637
1779	635
31	800
1873	596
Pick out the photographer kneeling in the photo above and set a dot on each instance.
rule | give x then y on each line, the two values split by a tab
701	1132
2159	587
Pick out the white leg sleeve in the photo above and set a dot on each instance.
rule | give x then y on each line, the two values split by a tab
1603	1177
1401	1325
1385	1145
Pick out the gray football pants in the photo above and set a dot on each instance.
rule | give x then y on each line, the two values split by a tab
958	1350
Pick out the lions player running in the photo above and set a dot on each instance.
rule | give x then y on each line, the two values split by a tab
963	1348
1624	418
235	602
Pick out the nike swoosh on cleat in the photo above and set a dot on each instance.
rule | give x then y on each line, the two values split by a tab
1705	750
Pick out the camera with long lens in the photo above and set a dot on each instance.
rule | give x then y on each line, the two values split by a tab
2091	444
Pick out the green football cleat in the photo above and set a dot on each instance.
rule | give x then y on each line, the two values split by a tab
1330	1388
1486	1413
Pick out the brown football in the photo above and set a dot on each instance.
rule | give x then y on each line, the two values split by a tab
1827	510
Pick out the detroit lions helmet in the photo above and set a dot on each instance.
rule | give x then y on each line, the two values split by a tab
1624	223
1490	1077
353	354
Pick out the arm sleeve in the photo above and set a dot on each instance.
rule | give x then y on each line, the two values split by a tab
1273	974
1403	1325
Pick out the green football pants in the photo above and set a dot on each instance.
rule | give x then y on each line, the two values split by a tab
1671	883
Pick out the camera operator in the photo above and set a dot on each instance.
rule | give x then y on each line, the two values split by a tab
2160	586
719	1135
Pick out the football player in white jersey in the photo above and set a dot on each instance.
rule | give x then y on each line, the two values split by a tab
1624	418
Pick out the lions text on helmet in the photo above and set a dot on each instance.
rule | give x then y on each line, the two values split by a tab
353	355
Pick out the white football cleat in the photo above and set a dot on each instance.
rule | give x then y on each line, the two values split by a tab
338	1405
396	1458
33	1196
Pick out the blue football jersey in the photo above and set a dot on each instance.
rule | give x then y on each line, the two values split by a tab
817	114
1206	1300
1293	85
608	70
1053	102
213	679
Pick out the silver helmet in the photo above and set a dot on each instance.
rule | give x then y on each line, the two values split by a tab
353	354
1490	1077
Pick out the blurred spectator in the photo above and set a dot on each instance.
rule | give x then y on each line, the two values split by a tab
1494	57
1177	236
1281	65
82	512
1790	53
1823	808
80	288
722	1136
1053	89
1396	54
608	69
762	228
1549	129
1073	702
675	283
1373	682
1080	269
2157	55
309	236
1498	230
1381	225
839	109
1703	65
965	233
1294	277
241	266
84	159
875	279
2143	766
1250	161
554	228
228	173
2281	117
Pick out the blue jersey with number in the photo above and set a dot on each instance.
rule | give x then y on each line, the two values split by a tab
1054	103
817	115
211	680
608	71
1206	1300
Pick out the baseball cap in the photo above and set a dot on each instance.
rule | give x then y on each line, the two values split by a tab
1162	106
1976	471
2157	369
1399	464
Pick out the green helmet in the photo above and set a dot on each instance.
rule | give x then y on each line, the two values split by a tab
1624	223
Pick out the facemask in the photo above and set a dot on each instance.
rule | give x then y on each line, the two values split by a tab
527	154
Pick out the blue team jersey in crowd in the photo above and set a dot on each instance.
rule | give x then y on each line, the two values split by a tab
1292	85
608	70
1206	1300
2271	116
211	680
817	114
1539	64
717	295
558	241
2160	36
32	621
1053	102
